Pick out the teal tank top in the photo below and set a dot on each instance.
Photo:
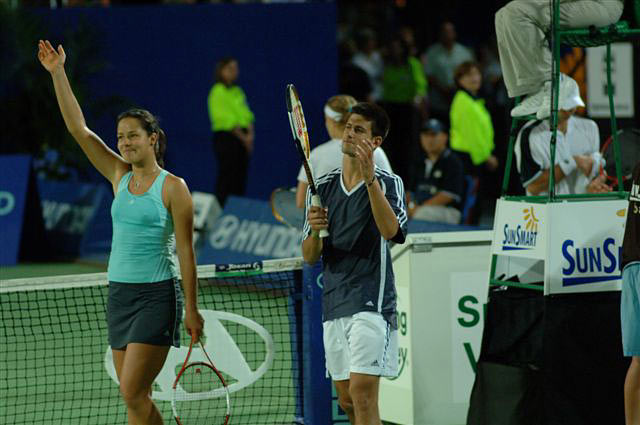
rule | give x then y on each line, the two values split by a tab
142	235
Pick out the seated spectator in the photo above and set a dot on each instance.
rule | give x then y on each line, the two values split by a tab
438	187
524	53
577	160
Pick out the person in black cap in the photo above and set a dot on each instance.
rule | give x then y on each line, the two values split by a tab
438	180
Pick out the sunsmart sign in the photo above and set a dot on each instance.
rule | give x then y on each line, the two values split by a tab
525	233
592	264
520	229
585	245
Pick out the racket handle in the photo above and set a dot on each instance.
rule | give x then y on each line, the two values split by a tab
315	201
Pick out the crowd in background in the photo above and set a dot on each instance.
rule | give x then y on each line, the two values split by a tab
414	70
415	83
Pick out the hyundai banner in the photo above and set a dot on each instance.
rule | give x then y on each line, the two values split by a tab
246	232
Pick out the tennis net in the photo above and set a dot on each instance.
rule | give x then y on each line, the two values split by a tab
56	366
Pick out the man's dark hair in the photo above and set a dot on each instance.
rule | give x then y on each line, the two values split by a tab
376	115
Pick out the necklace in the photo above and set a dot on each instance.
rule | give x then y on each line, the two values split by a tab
136	181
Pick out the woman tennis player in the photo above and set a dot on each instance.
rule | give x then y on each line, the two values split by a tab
144	308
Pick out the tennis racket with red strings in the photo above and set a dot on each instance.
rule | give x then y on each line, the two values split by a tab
200	393
301	140
284	208
629	141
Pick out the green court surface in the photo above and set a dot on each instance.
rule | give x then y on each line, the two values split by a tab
54	354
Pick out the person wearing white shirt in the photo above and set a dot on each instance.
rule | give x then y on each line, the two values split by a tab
328	156
369	59
439	62
577	161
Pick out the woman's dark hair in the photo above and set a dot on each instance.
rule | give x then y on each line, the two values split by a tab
463	69
217	75
150	124
376	115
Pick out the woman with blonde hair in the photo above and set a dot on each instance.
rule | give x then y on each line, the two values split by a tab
328	156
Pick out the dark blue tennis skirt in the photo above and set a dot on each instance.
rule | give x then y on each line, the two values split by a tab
147	313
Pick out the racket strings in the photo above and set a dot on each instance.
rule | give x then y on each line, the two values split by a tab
200	396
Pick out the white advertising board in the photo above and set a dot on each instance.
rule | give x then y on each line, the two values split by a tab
520	229
584	246
468	299
621	77
396	394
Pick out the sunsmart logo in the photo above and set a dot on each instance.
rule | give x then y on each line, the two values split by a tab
522	236
590	264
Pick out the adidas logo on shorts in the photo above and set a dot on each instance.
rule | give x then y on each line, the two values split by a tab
375	363
369	303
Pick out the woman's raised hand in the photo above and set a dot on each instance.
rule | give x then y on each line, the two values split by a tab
51	59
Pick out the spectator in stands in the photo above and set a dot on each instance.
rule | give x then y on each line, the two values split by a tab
368	58
524	53
578	159
403	87
351	78
438	182
407	35
232	125
328	156
440	62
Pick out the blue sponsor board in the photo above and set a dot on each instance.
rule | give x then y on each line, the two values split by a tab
69	211
320	399
583	265
14	181
247	232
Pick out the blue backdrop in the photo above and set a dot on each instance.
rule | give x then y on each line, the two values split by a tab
162	59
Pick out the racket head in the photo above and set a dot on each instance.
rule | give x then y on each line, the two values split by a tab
629	141
284	208
297	121
200	394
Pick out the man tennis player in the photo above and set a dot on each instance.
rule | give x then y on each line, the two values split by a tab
364	209
150	205
630	302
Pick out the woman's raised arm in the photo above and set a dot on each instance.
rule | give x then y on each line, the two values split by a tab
107	162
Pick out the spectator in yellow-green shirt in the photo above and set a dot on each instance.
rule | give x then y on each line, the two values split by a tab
403	90
232	125
472	130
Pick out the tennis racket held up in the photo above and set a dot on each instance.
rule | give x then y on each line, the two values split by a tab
301	140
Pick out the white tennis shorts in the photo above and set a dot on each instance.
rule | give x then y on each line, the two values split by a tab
362	343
